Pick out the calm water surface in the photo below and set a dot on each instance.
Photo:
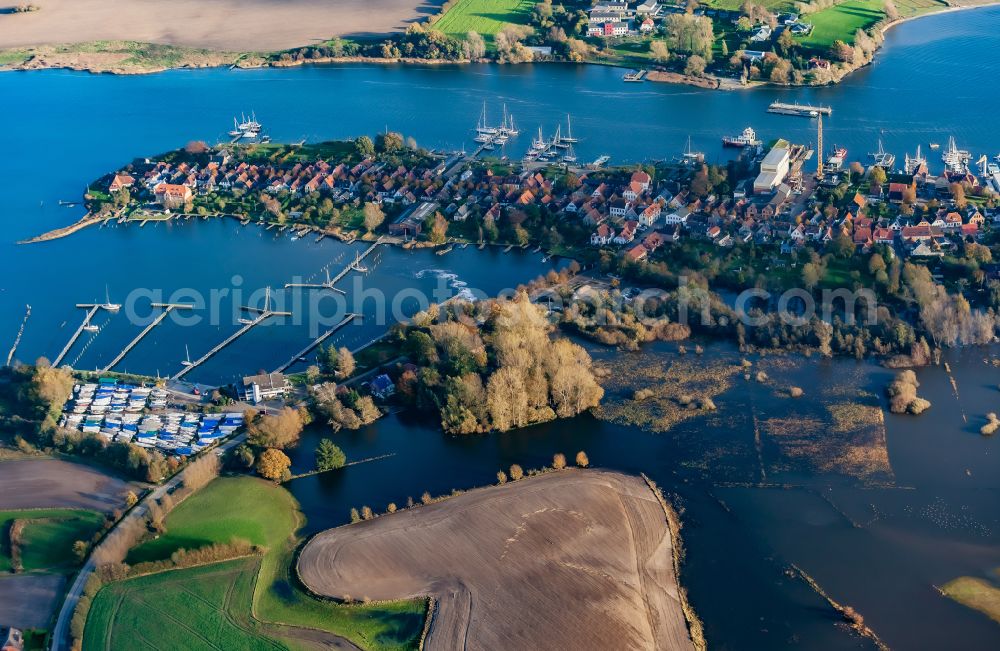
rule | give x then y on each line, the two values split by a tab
880	548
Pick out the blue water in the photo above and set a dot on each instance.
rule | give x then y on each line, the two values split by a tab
933	79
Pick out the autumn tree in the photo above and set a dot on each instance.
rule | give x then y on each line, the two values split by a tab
516	472
279	430
373	216
345	363
273	464
474	46
582	460
365	146
659	51
559	461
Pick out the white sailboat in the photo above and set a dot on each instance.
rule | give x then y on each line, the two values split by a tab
507	126
483	127
108	305
187	357
569	131
539	143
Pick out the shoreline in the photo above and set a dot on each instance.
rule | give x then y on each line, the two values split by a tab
107	61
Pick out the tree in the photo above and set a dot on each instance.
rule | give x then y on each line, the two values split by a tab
690	34
80	549
659	51
810	275
501	477
890	10
581	459
345	363
373	216
516	472
559	461
439	229
389	142
474	46
781	72
131	499
279	430
355	516
365	146
329	456
877	177
273	464
695	66
507	399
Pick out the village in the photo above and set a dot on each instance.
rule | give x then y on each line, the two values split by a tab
766	197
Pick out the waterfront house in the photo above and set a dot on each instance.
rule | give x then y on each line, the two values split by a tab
120	182
170	195
268	386
382	387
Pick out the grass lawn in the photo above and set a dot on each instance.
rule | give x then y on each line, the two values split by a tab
268	515
776	6
975	593
47	542
841	22
484	16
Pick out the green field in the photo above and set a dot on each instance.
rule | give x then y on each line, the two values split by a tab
199	608
47	542
264	514
776	6
484	16
841	22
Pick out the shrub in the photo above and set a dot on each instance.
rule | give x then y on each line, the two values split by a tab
559	461
516	472
366	513
501	477
355	516
391	508
581	459
426	498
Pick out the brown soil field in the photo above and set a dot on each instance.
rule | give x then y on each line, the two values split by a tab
51	483
28	600
235	25
565	560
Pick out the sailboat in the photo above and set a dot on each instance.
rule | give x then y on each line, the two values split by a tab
882	158
356	265
187	357
569	131
482	127
690	156
912	165
539	143
507	127
955	159
108	305
570	156
90	327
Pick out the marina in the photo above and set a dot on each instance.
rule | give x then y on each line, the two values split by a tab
166	308
300	356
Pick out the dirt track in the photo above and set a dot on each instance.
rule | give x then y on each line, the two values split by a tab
567	560
51	483
235	25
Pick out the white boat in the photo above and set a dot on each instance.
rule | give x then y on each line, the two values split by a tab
746	139
507	126
956	160
882	158
912	165
601	161
539	144
690	156
482	127
569	131
187	360
108	305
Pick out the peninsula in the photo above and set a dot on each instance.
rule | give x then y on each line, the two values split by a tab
715	44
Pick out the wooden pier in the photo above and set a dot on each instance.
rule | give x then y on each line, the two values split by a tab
167	307
91	311
315	342
354	263
20	333
328	285
262	315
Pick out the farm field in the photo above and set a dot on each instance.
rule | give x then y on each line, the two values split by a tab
200	608
47	541
501	560
484	16
53	483
266	515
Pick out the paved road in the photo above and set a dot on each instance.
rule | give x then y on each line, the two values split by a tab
60	634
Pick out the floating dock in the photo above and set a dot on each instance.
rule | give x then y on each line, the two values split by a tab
167	307
802	110
20	333
91	311
262	315
315	342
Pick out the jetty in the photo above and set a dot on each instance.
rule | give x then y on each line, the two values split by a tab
20	333
328	285
167	307
315	342
355	264
802	110
262	315
91	311
87	220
